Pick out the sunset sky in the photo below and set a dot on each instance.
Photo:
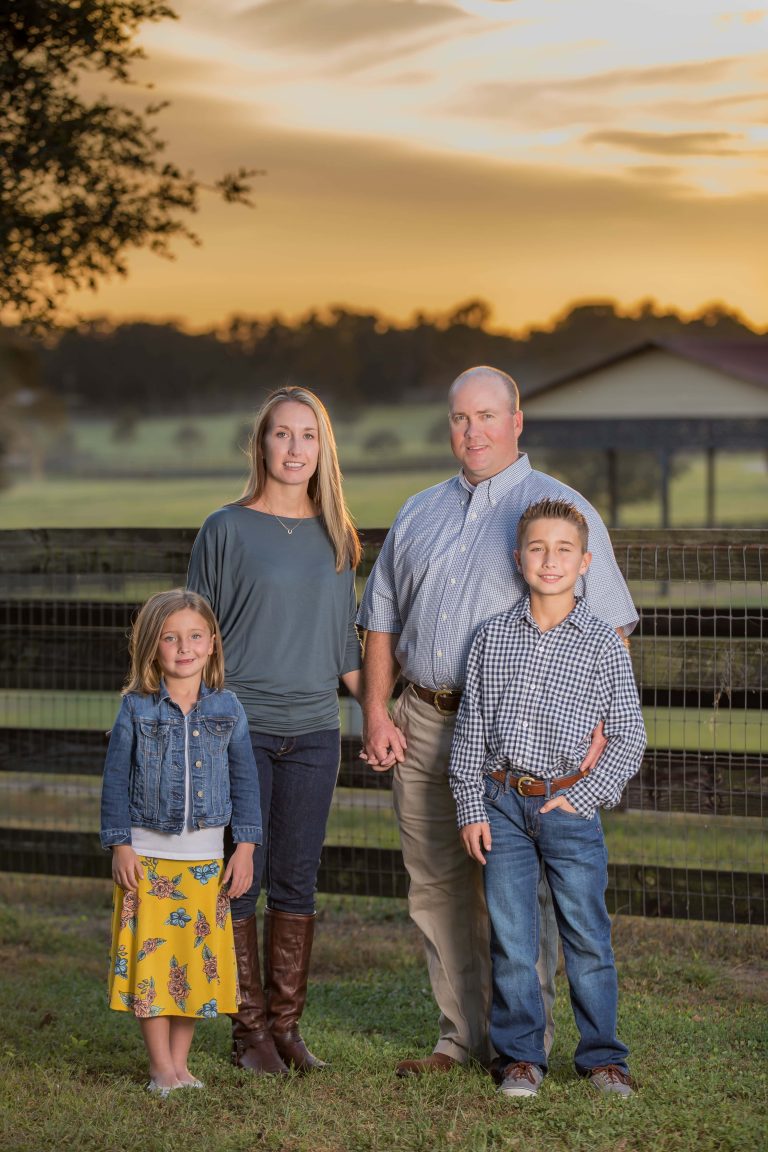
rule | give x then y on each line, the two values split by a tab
531	152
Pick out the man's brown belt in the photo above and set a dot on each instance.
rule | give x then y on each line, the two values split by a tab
444	700
531	785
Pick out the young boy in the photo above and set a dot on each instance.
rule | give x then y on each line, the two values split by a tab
539	680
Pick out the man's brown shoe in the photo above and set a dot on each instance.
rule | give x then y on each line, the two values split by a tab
437	1062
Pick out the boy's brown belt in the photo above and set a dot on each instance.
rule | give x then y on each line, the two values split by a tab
445	701
531	785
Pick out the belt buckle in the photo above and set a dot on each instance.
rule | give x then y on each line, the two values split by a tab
436	701
521	780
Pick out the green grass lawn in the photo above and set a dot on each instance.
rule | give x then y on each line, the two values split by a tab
218	440
365	819
693	1011
373	498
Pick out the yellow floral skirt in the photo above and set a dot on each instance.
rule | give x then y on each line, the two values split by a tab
173	952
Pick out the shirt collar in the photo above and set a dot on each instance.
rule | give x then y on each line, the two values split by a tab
578	617
164	694
503	482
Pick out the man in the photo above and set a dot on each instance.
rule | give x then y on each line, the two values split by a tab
446	566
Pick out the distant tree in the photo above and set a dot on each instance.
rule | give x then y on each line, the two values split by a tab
242	437
125	425
381	441
472	314
188	435
31	417
639	473
83	179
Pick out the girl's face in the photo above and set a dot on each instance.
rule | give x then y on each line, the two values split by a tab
184	646
291	443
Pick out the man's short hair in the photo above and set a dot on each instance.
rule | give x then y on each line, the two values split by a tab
554	510
495	373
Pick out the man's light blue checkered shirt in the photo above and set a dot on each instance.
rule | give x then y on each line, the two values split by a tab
447	566
531	702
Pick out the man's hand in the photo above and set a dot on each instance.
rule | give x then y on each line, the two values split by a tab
595	750
384	744
475	838
126	868
239	870
559	802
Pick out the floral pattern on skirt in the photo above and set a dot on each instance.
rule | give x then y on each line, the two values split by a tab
173	952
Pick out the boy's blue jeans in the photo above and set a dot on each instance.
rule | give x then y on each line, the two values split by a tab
576	862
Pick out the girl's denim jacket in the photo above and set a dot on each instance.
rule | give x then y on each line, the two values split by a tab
145	768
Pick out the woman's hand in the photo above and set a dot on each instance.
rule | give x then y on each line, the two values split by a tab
239	870
126	868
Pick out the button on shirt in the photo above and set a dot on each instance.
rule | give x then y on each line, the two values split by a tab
531	702
447	565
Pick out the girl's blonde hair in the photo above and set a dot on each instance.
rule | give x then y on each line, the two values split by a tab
324	487
144	676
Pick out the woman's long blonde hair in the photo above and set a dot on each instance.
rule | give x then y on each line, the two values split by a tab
144	676
324	489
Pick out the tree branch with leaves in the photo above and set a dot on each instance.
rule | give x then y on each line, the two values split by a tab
83	181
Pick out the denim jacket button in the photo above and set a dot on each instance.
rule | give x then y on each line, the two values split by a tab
196	732
200	794
198	763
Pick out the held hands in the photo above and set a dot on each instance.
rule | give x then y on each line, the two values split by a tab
384	744
126	868
239	871
475	838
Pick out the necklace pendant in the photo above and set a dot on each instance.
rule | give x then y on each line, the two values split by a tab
290	530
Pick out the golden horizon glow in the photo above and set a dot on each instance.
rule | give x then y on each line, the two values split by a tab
422	152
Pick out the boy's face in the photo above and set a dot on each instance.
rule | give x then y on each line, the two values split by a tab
551	558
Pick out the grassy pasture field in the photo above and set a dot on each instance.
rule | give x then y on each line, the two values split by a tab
215	444
693	1010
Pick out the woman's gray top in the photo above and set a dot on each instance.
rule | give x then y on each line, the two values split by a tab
287	617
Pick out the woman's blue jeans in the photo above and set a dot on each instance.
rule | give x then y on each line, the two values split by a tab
297	776
576	863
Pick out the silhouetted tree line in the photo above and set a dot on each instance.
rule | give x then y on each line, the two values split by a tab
352	359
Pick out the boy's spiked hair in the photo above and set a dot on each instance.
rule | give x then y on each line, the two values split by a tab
553	510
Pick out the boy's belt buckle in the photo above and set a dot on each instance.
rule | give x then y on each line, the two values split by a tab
522	783
438	706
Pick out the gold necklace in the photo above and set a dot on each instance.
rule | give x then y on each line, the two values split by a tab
290	531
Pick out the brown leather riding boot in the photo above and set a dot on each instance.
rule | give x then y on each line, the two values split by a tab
287	949
252	1045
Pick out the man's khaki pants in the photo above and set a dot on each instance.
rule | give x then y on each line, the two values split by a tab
445	898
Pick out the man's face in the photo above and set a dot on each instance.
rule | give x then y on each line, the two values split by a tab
484	429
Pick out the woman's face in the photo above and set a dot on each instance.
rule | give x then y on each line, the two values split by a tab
291	444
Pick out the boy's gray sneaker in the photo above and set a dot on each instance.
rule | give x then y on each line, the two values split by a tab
612	1079
521	1079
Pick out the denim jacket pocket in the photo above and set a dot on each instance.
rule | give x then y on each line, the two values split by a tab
217	733
152	742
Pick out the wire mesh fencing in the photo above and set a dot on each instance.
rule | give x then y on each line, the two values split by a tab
688	841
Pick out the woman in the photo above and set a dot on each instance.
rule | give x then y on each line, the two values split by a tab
278	570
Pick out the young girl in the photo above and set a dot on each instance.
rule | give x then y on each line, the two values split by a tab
179	767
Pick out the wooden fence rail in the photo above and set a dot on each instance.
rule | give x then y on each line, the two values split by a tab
67	598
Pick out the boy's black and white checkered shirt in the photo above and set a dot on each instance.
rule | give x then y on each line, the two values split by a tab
531	702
